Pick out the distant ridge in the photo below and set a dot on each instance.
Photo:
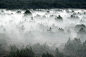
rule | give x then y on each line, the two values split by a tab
25	4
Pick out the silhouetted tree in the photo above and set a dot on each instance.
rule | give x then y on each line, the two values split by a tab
58	54
73	47
2	50
24	52
47	55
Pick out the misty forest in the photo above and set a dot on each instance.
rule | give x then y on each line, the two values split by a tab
43	33
42	28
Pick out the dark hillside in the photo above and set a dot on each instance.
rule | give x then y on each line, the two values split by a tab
24	4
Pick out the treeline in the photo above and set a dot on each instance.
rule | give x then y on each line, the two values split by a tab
29	52
73	48
40	4
43	0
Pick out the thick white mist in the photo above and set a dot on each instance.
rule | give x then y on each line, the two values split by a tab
42	26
